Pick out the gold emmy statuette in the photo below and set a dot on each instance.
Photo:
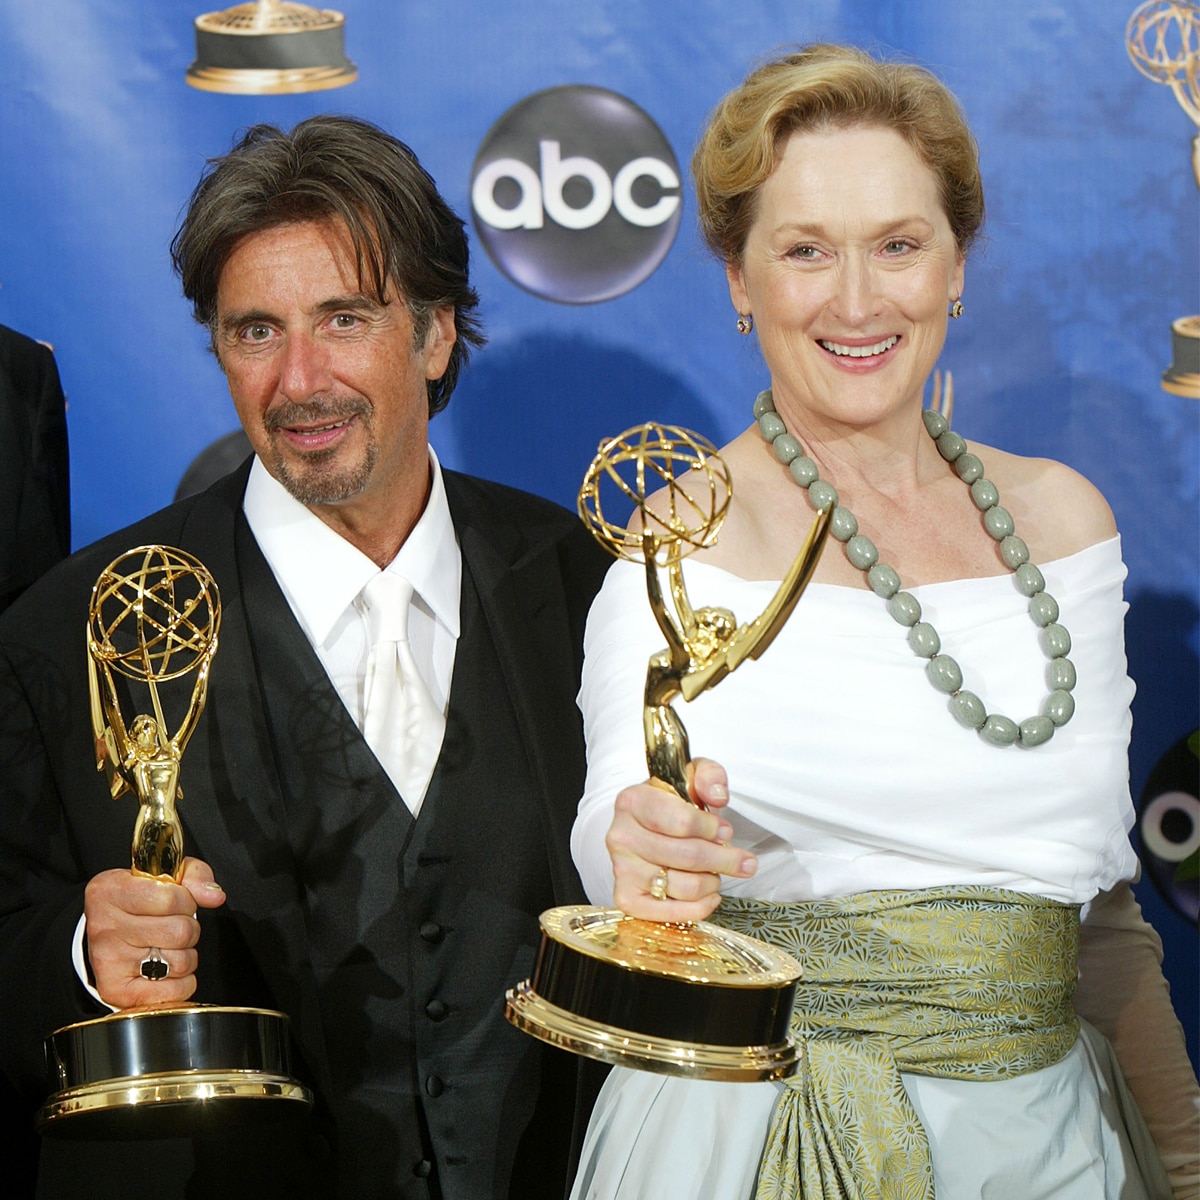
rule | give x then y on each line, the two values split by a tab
154	617
679	999
271	47
1163	40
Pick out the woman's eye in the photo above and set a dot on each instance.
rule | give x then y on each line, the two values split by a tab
805	252
897	246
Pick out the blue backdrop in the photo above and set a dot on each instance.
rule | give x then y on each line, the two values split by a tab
1092	249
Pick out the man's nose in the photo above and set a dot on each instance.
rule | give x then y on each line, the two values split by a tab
304	370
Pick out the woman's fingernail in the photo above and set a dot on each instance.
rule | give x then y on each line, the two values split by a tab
718	791
214	887
748	867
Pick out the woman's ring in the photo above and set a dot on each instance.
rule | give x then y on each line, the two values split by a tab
154	966
658	886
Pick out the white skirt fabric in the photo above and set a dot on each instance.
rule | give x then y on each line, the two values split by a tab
1068	1132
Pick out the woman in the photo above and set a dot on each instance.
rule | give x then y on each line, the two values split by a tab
924	785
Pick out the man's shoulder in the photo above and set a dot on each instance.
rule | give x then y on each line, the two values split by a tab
509	517
25	362
75	575
16	345
503	502
182	521
519	524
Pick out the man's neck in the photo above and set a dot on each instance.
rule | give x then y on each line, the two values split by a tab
377	524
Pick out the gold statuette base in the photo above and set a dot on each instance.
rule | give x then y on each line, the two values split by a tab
1182	377
664	1056
169	1072
120	1108
692	1000
244	81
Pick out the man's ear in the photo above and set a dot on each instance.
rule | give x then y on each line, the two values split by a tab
439	341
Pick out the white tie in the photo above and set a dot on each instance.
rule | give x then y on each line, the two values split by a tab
401	723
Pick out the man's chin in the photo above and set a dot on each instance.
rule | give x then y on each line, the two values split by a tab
316	483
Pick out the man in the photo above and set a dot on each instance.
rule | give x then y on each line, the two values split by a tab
383	905
35	533
35	501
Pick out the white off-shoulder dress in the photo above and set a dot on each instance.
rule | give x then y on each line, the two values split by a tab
848	774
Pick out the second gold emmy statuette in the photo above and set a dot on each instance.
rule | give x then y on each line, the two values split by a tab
1163	41
160	1071
679	999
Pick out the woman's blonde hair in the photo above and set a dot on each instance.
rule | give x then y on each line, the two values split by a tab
829	87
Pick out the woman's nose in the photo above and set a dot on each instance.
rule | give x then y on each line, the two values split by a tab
857	296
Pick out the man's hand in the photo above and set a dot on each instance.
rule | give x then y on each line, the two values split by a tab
127	915
655	830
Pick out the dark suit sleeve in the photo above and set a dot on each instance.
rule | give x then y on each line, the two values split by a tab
41	875
58	826
35	519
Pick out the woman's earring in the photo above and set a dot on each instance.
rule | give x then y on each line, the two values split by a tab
956	309
745	323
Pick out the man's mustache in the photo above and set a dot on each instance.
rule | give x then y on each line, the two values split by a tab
314	412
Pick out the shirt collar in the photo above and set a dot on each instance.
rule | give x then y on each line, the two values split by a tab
321	573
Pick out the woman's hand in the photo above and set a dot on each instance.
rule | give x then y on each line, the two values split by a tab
655	833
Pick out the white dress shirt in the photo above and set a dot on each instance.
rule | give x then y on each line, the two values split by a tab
322	577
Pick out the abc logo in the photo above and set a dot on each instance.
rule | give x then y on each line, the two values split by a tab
576	194
1170	826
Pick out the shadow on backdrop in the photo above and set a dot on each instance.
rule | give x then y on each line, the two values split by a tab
216	460
532	414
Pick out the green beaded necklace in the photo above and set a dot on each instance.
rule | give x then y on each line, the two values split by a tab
942	671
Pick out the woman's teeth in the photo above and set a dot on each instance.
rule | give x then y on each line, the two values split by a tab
859	351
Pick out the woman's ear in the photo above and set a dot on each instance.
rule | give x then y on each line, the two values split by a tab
737	287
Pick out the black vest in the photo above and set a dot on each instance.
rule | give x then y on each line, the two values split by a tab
416	927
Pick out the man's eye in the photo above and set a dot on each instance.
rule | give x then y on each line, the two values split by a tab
255	333
344	321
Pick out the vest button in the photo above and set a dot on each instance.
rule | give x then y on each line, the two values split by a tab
434	1085
431	931
423	1169
435	1010
318	1147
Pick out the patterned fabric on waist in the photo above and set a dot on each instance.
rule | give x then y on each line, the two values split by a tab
960	982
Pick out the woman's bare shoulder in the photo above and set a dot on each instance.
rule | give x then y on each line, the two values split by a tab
1057	511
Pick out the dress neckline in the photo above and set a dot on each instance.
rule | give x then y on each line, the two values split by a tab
1005	576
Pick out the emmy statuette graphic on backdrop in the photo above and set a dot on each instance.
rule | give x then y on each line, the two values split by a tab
678	999
154	618
270	47
1163	41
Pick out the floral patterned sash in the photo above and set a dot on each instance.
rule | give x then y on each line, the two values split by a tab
960	982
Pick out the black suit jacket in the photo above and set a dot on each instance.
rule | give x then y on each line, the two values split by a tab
35	517
535	571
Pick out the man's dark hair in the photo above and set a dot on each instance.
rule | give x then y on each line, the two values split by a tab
342	168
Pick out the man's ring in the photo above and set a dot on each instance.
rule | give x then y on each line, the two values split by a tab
154	966
658	886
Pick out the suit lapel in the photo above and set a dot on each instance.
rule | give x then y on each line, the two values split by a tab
234	806
521	593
